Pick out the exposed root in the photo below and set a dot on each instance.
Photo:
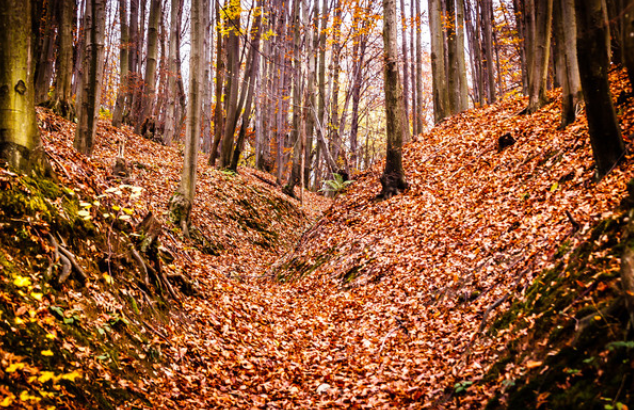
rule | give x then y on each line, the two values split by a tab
68	261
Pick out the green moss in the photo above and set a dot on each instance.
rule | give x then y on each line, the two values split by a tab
577	371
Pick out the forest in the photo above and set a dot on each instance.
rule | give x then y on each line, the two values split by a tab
316	204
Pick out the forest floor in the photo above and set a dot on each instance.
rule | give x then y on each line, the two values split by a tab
436	298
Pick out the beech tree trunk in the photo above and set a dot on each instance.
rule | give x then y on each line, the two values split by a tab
296	140
232	83
93	75
172	91
20	145
540	55
149	86
182	201
462	63
218	112
393	177
63	103
605	134
405	61
564	27
117	116
487	27
133	62
46	60
628	39
439	88
309	89
251	75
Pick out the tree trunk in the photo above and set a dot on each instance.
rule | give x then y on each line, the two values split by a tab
20	145
220	70
439	88
295	175
538	64
149	86
253	72
487	31
63	103
336	70
133	61
309	89
170	118
117	116
393	178
46	60
462	64
358	57
208	85
453	65
628	39
232	83
605	135
93	76
405	61
566	60
182	201
519	11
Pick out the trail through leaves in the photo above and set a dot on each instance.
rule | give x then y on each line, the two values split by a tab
394	294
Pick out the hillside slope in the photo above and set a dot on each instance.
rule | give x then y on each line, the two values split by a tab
83	324
423	275
463	292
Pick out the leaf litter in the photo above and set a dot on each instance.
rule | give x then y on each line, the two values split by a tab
393	295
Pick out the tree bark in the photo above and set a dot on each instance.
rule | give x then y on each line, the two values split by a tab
605	134
149	86
117	116
20	145
63	104
393	177
487	27
439	88
405	61
220	70
540	55
251	74
628	39
46	60
182	201
93	76
565	34
171	117
232	83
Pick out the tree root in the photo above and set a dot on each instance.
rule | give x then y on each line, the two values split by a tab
68	261
585	322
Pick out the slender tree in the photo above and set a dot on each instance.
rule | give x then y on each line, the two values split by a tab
567	68
605	134
182	201
393	178
46	61
92	79
232	81
253	72
173	72
439	87
628	39
539	57
117	116
149	84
